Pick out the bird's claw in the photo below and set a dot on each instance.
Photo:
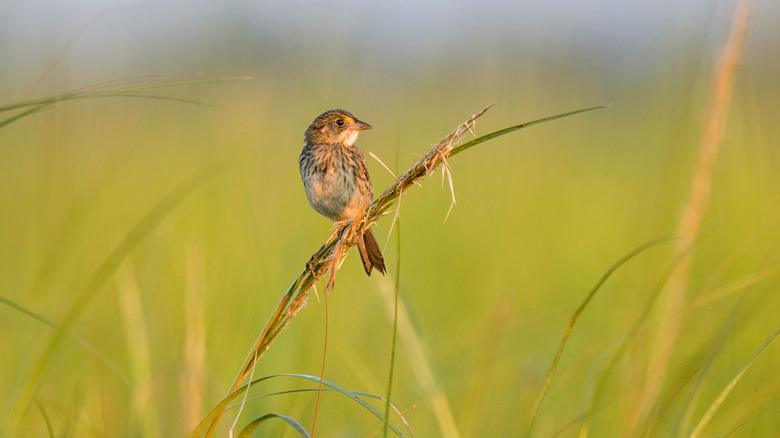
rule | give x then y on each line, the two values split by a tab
310	265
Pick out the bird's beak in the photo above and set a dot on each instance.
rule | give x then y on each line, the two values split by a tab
360	126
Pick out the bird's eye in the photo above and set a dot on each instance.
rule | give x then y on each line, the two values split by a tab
340	122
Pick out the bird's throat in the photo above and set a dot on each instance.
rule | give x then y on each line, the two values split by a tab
348	137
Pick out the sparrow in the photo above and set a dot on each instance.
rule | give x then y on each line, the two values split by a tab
335	176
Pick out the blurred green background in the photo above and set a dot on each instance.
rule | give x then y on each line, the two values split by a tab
541	214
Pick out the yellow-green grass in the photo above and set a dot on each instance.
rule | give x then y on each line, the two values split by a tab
540	216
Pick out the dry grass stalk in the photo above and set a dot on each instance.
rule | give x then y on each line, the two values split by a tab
419	360
332	253
143	410
194	374
674	299
335	249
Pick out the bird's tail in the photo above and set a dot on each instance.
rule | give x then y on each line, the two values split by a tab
370	253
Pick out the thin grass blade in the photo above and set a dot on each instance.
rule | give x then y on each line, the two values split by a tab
576	316
137	91
727	390
499	133
46	419
207	424
351	394
91	348
99	278
386	424
247	431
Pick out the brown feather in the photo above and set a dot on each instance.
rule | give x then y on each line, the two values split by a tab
335	176
370	253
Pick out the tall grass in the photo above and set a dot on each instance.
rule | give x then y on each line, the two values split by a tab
332	253
130	292
674	298
112	263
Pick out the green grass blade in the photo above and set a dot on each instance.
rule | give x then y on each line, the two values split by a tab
624	342
46	419
29	112
697	389
165	98
395	330
351	394
78	339
216	411
499	133
727	390
247	431
36	105
302	390
101	275
314	390
87	93
576	316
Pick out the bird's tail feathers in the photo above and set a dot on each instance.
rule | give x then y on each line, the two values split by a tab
370	253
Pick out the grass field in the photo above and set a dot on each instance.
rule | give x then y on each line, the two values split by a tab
128	306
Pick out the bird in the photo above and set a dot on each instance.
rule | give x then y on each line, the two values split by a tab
335	176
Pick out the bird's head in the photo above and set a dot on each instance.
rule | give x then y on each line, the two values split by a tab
335	126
